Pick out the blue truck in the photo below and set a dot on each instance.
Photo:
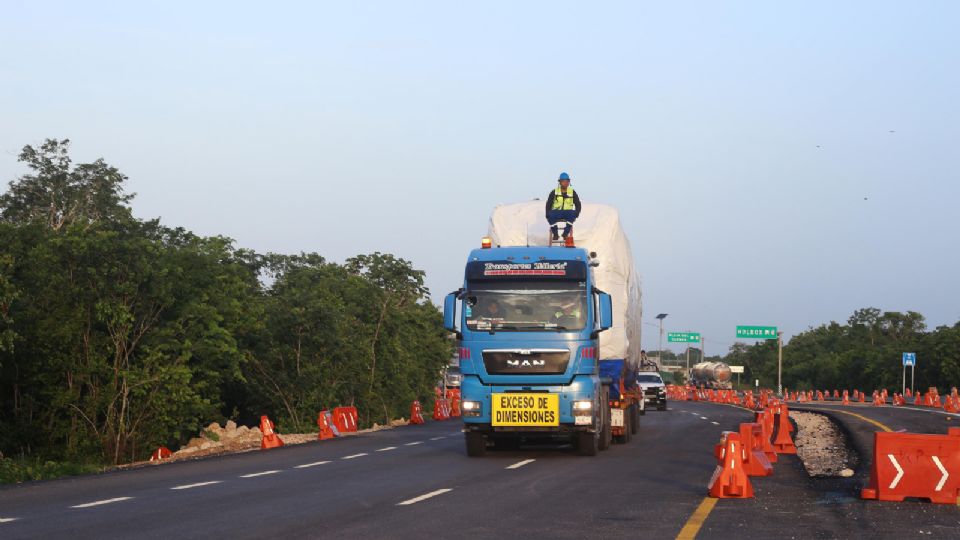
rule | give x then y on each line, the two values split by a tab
529	321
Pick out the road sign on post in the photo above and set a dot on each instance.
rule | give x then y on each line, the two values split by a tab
757	332
683	337
909	359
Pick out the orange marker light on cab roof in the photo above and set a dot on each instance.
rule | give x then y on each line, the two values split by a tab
486	243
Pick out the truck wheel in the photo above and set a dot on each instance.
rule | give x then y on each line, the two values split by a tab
476	444
662	406
635	424
587	443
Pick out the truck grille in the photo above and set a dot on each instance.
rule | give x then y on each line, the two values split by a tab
526	362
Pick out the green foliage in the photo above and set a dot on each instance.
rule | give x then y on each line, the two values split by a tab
864	354
119	335
25	469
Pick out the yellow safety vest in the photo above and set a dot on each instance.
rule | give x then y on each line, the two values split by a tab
561	201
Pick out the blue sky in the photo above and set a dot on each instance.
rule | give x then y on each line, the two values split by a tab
775	163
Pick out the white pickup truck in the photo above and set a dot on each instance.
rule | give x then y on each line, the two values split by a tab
654	391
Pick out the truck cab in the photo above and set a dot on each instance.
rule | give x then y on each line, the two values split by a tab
527	320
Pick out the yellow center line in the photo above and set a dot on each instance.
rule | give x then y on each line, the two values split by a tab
692	526
880	425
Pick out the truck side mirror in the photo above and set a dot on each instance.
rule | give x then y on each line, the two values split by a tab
606	312
450	312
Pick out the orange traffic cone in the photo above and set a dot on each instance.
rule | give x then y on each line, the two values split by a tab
323	421
160	453
416	413
783	444
270	438
730	480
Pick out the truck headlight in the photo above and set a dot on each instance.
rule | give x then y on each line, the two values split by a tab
471	408
582	407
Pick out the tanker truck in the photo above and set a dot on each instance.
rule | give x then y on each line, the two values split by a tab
548	336
715	375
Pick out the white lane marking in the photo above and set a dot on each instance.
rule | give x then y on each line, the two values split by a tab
943	479
254	475
7	520
198	484
704	418
438	438
424	497
896	479
715	423
98	503
361	454
413	443
314	464
387	449
519	464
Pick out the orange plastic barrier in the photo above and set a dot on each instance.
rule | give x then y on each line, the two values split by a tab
730	480
441	409
453	397
323	422
416	413
915	465
160	453
765	419
754	460
270	438
345	419
846	398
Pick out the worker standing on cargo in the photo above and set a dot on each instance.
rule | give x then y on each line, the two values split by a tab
563	204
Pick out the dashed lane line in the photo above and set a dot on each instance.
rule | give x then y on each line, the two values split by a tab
715	423
99	503
438	438
308	465
361	454
256	474
198	484
414	443
424	497
519	464
693	524
7	520
704	418
387	449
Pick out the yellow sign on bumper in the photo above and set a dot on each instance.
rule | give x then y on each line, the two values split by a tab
537	409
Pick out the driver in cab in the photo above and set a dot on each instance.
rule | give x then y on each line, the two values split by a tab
568	316
491	311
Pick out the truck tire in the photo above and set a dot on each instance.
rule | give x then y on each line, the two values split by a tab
606	434
476	444
635	423
662	406
587	443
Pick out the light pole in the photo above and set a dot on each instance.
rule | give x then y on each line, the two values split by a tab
660	318
779	363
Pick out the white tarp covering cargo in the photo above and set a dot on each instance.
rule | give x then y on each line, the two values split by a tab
598	230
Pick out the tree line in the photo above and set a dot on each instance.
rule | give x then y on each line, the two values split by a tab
118	335
863	354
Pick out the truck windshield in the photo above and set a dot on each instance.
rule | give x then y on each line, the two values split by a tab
526	306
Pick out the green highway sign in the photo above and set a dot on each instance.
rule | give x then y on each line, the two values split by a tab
683	337
757	332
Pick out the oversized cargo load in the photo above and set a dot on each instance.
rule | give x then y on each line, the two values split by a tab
598	230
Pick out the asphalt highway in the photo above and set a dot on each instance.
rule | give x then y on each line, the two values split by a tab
416	482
